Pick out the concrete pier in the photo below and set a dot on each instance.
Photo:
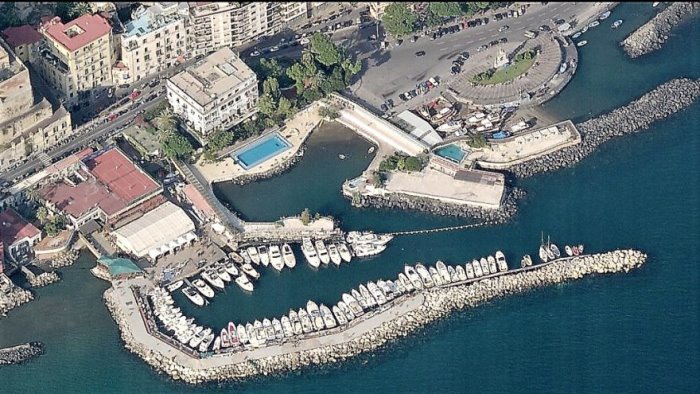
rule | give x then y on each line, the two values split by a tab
393	320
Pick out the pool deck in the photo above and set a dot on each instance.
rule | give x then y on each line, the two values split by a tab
295	131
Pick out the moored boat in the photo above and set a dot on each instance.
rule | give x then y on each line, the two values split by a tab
242	334
276	257
322	252
442	270
264	254
288	255
334	254
344	252
277	326
222	273
576	35
339	315
213	279
580	249
501	261
453	274
217	344
203	288
435	275
244	254
307	324
616	24
469	270
235	256
353	304
253	253
593	24
581	43
369	298
315	315
569	252
367	250
287	327
296	322
413	277
231	268
461	273
175	285
477	268
604	16
484	266
250	271
269	330
225	342
349	315
376	293
555	251
327	316
406	282
310	252
526	261
243	282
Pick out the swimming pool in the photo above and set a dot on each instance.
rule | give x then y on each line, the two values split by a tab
263	149
451	152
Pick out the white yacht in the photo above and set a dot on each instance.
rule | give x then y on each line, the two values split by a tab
296	322
424	276
225	342
414	277
334	255
344	252
307	324
477	268
406	282
501	261
327	316
276	257
253	254
322	252
364	304
287	326
288	255
484	266
526	261
369	298
461	273
264	255
236	257
223	273
213	279
250	271
232	334
442	270
493	268
269	329
356	237
353	303
277	326
339	315
242	334
453	274
310	252
206	342
244	283
175	285
470	270
349	315
203	288
232	269
195	297
367	250
245	255
315	315
376	293
437	278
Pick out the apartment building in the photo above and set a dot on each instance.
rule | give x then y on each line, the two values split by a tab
27	123
376	9
23	41
217	93
231	24
152	42
76	58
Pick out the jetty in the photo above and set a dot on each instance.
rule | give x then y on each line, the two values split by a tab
20	353
397	318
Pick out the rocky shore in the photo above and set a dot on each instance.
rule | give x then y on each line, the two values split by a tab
663	101
65	259
437	303
653	34
21	353
508	208
43	279
11	296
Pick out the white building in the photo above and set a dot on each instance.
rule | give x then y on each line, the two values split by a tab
152	42
217	93
162	230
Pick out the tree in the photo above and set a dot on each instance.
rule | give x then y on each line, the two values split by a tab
165	122
175	146
267	68
445	9
266	105
79	9
305	217
42	214
325	51
328	113
271	86
285	108
8	16
413	163
398	19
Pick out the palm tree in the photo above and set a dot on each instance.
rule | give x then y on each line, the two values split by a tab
79	9
165	122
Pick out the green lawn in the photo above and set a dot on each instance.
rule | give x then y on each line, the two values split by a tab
508	73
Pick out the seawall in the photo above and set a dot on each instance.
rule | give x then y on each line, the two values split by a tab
652	35
663	101
406	314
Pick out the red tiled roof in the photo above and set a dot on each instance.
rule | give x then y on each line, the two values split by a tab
80	199
84	153
62	164
14	228
21	35
198	200
93	26
121	176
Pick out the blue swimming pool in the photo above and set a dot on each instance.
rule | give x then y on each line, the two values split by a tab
263	149
451	152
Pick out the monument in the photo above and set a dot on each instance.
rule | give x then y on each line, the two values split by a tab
501	59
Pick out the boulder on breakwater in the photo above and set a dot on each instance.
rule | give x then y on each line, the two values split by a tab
21	353
11	296
664	100
653	34
436	303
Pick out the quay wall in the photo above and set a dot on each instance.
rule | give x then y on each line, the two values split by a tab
661	102
405	315
652	35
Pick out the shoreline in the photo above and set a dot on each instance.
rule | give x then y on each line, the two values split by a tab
404	317
652	35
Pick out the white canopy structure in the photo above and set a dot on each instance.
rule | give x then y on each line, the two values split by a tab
156	233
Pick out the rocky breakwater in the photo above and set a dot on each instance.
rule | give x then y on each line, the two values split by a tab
653	34
43	279
431	305
65	259
11	296
21	353
508	208
663	101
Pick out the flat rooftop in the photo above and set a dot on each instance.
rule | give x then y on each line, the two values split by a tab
214	76
121	176
471	187
78	32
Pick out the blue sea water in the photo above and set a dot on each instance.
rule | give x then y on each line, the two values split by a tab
636	332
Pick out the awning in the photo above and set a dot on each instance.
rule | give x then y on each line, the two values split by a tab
154	253
190	236
172	245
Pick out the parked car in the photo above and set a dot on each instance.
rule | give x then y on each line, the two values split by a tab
503	28
503	40
420	53
544	28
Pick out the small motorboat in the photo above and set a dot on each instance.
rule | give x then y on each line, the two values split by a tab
334	254
250	271
576	35
225	342
581	43
175	285
575	251
193	296
593	24
203	288
276	257
470	270
253	254
223	273
555	251
527	261
342	156
616	24
580	249
569	252
344	252
654	4
371	150
236	257
288	255
264	255
585	29
604	16
231	268
244	283
213	279
501	261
